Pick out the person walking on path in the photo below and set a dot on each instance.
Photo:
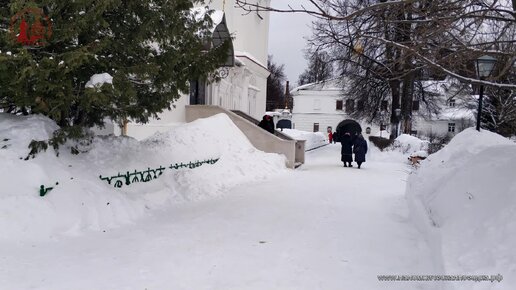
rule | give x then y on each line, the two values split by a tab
347	151
267	124
360	150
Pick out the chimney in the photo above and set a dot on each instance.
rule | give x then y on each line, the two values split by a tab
287	94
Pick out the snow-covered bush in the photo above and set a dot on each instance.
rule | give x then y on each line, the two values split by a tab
408	144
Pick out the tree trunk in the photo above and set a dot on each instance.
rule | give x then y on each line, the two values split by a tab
407	96
395	90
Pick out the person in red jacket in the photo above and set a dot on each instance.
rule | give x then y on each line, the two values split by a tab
330	137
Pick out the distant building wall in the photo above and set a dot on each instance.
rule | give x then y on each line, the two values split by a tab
313	107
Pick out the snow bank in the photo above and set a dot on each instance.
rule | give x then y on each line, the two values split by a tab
403	147
81	201
408	144
313	139
464	200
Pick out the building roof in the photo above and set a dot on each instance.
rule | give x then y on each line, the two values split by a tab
455	114
335	84
219	30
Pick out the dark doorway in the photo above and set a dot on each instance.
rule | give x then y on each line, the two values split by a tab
284	124
349	126
197	92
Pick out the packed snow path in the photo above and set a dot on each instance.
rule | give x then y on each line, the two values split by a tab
321	226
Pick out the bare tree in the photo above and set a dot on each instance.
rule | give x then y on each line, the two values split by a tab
319	68
386	45
499	113
275	88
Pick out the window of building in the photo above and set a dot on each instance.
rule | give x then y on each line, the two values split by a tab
339	105
317	104
360	105
384	105
415	106
451	103
451	127
316	127
350	106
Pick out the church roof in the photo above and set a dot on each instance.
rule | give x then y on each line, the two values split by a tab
220	31
335	84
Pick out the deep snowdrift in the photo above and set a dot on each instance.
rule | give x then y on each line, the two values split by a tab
464	200
81	201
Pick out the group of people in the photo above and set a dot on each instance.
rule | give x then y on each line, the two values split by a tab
351	144
355	144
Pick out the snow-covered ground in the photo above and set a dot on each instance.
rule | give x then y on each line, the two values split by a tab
319	227
246	222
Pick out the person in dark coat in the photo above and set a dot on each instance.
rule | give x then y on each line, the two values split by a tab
267	124
272	128
335	137
347	151
360	149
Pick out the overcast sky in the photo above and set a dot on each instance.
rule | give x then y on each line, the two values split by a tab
287	35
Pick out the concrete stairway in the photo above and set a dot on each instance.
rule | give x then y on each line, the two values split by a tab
256	122
294	150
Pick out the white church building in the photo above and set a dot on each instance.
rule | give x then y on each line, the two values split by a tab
318	107
322	105
244	77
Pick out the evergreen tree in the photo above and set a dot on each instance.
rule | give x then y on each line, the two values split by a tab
151	48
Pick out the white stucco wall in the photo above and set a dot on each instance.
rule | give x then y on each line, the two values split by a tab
165	120
243	89
320	107
439	127
251	30
109	128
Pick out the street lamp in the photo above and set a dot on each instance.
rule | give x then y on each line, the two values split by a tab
484	66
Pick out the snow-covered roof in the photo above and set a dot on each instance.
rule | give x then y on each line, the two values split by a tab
335	84
447	87
250	57
455	114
